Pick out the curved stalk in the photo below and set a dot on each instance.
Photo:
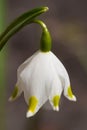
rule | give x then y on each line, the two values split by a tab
45	43
19	23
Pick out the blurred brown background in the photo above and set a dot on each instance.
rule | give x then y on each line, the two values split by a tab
67	22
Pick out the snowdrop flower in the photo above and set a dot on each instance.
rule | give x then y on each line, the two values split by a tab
42	77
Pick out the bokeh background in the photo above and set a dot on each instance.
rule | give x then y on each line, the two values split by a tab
67	22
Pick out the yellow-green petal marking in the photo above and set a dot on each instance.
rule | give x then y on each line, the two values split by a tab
33	101
56	100
70	94
15	92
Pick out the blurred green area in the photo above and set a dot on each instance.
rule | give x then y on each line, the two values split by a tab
2	68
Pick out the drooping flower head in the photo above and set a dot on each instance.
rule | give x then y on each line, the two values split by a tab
42	77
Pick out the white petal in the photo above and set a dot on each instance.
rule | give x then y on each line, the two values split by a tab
16	93
29	114
55	93
54	86
34	80
41	99
69	94
19	84
62	72
56	108
23	65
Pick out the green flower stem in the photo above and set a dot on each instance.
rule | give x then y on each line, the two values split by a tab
19	23
45	43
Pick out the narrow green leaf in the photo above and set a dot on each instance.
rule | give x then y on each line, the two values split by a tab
19	23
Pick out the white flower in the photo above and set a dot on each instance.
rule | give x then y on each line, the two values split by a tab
42	77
